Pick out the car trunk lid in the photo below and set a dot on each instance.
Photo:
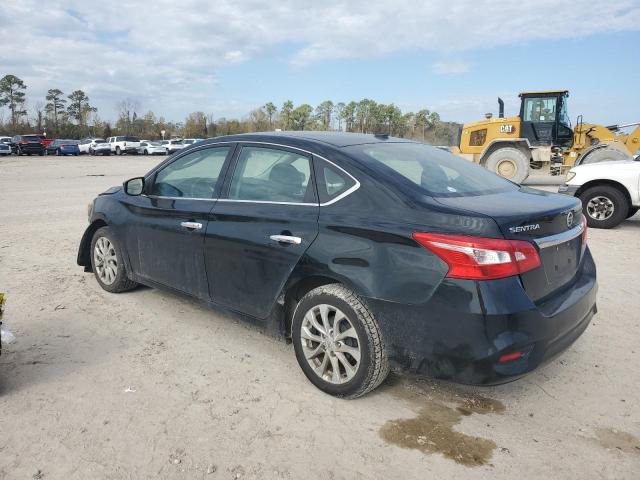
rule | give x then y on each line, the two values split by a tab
551	222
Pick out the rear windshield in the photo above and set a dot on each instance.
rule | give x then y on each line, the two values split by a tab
98	140
429	170
131	139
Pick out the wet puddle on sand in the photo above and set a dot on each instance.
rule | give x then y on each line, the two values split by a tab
611	439
432	430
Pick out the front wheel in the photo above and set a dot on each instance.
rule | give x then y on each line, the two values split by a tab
118	151
107	264
510	163
91	151
338	342
604	206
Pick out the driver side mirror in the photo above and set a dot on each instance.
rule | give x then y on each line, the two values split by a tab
134	186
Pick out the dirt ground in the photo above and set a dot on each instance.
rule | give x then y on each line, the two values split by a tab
150	385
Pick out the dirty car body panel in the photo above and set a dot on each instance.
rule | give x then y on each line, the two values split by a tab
361	233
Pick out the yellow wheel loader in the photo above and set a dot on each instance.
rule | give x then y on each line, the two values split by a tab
541	138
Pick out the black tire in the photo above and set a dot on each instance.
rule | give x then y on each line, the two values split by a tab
75	154
632	211
596	200
373	367
605	154
118	151
41	153
510	163
108	153
121	282
145	152
91	151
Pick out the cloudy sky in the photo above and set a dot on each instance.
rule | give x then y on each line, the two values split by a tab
227	57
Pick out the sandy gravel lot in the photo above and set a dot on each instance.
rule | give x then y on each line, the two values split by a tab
150	385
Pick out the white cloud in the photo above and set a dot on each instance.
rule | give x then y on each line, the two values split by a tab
450	67
166	53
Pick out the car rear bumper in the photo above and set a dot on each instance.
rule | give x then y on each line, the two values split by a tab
462	332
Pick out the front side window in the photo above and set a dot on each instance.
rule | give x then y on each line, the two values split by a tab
192	176
428	170
271	175
541	109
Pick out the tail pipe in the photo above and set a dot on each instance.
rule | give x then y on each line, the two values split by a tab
500	108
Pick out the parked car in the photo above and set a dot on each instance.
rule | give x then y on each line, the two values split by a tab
152	148
28	144
366	251
124	144
63	147
87	145
174	145
190	141
609	191
5	145
101	148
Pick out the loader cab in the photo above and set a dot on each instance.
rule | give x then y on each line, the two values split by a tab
545	119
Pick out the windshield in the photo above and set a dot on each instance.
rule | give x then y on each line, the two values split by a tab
98	140
430	171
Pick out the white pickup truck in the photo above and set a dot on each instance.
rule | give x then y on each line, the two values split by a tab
609	191
124	144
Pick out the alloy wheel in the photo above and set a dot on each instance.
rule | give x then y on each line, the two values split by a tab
105	260
600	208
330	344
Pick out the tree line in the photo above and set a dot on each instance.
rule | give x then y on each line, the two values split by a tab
71	115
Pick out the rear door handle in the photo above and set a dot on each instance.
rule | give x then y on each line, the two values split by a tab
191	225
286	239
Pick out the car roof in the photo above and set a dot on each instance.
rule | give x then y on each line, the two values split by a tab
335	139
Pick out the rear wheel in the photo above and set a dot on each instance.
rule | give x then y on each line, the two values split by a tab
510	163
338	342
107	264
118	151
604	206
91	151
146	152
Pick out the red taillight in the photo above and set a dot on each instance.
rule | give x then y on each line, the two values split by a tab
584	230
478	258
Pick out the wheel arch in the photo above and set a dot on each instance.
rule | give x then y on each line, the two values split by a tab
297	288
84	251
606	182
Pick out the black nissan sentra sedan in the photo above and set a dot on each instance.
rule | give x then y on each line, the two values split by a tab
368	252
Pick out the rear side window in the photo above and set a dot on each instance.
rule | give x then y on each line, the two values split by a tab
272	175
428	170
192	176
332	182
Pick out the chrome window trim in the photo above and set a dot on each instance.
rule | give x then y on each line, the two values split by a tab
558	238
179	198
344	194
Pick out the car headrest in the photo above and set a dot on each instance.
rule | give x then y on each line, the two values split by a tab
286	175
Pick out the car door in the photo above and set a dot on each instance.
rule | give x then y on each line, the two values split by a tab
168	222
261	226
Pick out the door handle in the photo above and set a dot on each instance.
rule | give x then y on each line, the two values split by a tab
191	225
286	239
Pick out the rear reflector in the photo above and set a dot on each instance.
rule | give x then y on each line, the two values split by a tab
479	258
510	357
